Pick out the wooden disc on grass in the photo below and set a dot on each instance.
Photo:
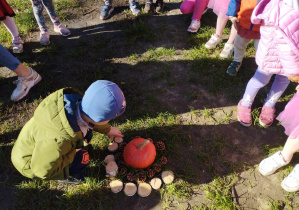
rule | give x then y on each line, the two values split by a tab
130	189
111	168
109	158
167	177
156	183
144	189
113	147
116	186
118	140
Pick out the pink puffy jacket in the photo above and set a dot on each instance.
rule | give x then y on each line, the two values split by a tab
278	50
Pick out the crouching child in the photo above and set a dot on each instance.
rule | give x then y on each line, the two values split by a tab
50	145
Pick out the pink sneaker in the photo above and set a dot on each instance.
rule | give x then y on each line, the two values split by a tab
267	116
244	115
62	30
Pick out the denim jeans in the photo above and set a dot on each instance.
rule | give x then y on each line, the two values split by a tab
7	59
38	6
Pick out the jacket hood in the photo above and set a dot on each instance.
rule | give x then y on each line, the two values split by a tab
50	114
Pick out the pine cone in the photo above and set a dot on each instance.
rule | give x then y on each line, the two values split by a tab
160	146
131	176
151	140
157	168
150	173
122	146
119	156
163	160
141	176
123	170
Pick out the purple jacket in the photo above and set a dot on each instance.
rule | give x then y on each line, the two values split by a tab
278	50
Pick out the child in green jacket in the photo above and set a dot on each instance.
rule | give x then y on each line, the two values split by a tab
50	145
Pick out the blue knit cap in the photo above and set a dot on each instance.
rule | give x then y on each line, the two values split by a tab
103	101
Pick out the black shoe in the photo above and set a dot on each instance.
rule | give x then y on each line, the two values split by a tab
159	6
148	7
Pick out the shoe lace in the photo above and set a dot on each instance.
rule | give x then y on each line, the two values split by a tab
16	82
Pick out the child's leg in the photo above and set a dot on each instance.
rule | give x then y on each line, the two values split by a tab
51	11
38	14
240	48
291	146
279	85
220	25
8	60
81	161
199	8
11	27
232	36
187	6
259	80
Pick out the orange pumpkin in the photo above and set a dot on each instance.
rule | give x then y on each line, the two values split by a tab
139	153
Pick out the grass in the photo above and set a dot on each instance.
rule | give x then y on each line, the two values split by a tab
219	192
168	78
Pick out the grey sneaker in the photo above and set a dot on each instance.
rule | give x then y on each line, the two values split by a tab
148	7
234	68
24	84
106	12
62	30
134	7
17	45
44	38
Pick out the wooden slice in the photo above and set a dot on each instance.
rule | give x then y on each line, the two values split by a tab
167	177
130	189
156	183
113	147
116	186
144	189
109	158
111	168
118	140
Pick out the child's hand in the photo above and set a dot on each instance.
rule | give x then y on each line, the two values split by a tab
234	21
114	132
294	78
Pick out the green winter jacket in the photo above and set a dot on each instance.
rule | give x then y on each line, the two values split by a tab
46	144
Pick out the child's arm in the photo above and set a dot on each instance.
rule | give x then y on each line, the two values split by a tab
114	132
107	129
233	9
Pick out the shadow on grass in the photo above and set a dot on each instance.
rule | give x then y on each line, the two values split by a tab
197	154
